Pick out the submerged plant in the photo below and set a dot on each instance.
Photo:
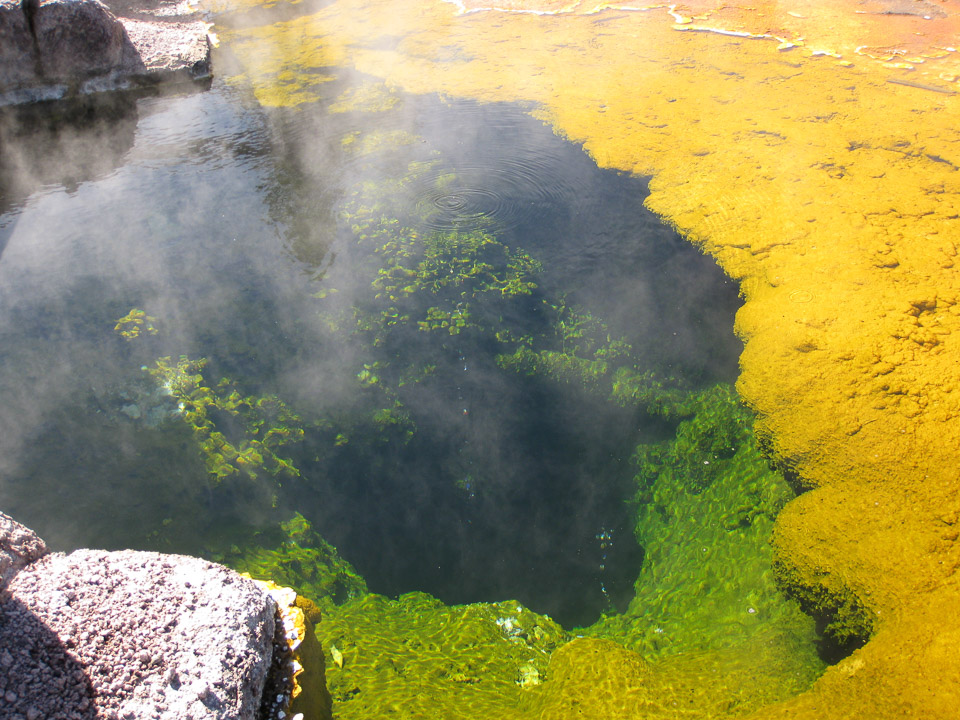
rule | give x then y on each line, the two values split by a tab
294	555
713	427
134	323
237	434
439	281
574	347
706	501
416	295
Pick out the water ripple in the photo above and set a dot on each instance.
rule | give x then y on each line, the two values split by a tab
500	193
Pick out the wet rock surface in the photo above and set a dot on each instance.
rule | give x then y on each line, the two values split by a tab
128	634
53	49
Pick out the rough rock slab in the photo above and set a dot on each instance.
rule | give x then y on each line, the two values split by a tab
19	546
170	46
110	635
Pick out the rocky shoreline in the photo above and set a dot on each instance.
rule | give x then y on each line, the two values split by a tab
96	635
58	49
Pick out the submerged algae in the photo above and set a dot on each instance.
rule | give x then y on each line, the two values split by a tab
295	555
259	426
387	654
134	323
706	503
707	635
421	658
708	487
575	347
236	434
422	278
243	441
714	427
706	601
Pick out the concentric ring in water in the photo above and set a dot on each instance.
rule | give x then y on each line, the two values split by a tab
454	202
499	193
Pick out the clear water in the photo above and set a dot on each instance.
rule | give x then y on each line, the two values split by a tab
425	460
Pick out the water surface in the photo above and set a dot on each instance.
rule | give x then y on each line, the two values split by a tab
255	240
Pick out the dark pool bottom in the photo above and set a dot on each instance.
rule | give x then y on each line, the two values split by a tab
513	485
527	501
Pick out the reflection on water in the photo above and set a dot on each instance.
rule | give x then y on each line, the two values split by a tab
162	231
382	274
39	148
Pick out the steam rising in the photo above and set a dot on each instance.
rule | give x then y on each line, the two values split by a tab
230	225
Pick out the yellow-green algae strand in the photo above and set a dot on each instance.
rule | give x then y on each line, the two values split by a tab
831	194
267	424
294	555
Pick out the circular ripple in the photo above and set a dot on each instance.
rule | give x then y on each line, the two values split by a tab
452	203
499	194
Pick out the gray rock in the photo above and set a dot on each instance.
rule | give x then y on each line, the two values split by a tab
79	39
80	46
168	47
135	635
19	546
17	54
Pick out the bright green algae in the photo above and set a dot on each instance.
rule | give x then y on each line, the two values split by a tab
705	590
705	499
706	502
294	555
416	657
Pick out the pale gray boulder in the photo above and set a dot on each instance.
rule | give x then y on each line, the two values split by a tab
97	635
167	47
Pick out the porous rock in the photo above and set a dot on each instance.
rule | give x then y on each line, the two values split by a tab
169	46
19	546
109	635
